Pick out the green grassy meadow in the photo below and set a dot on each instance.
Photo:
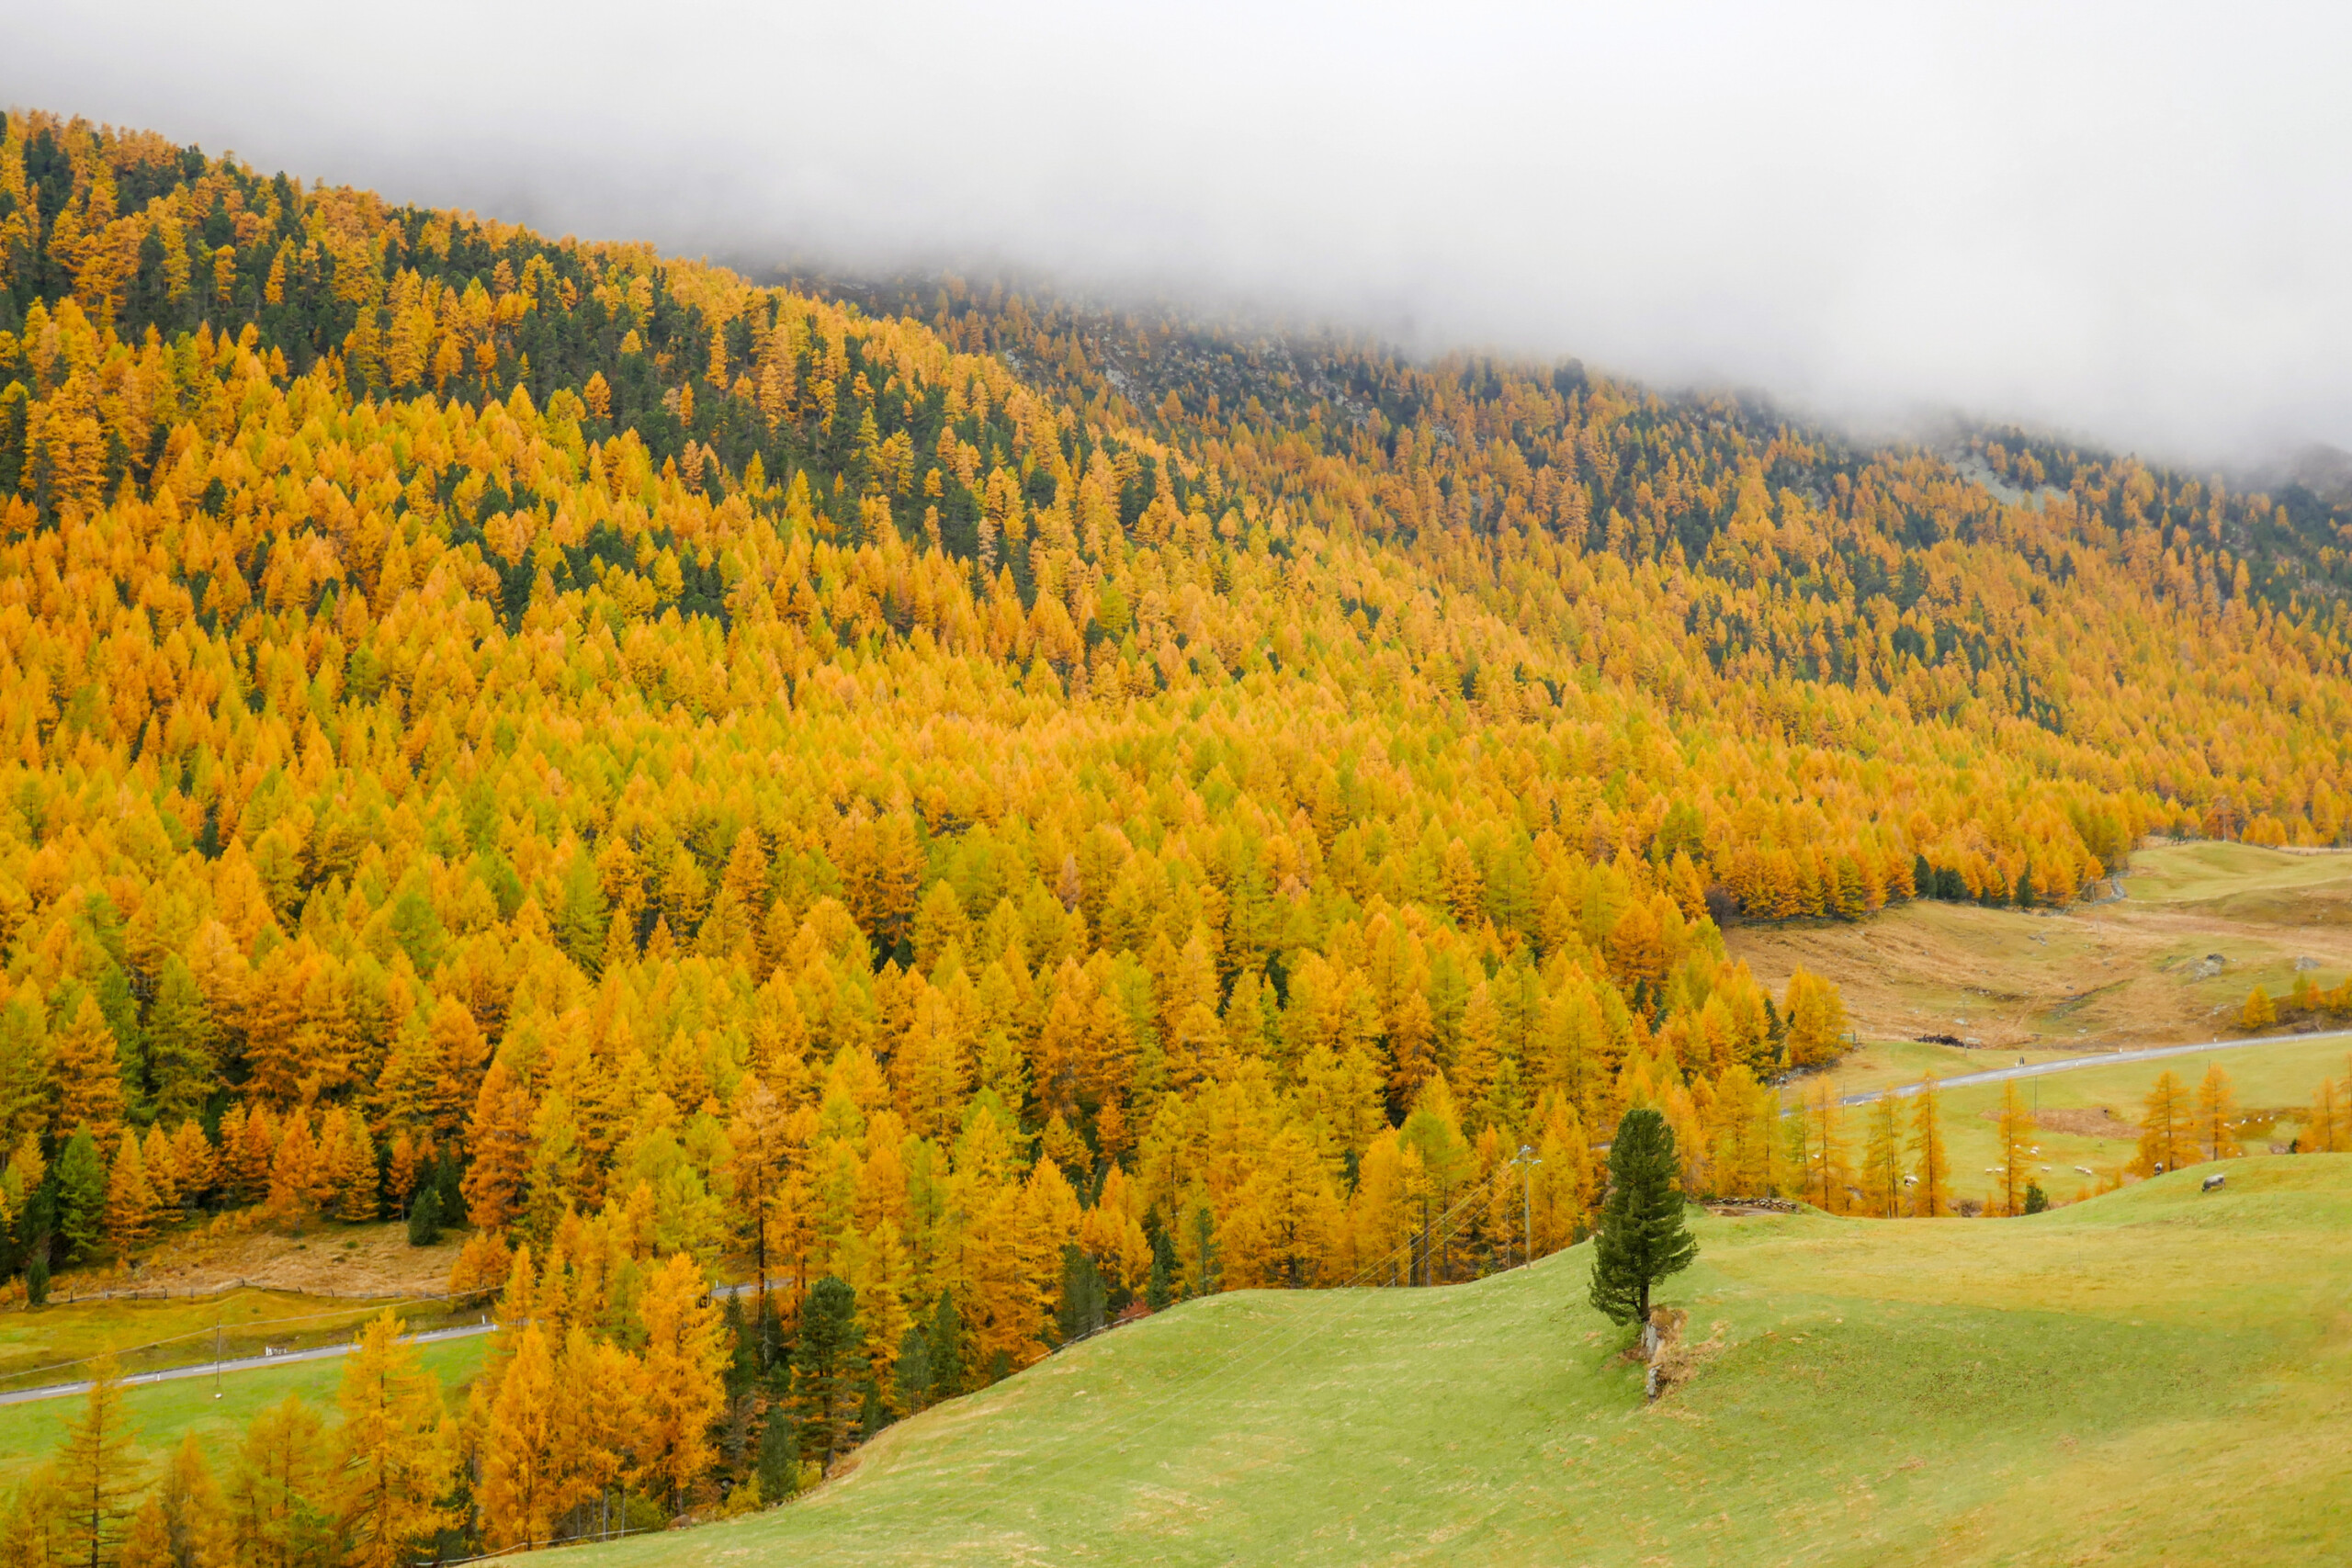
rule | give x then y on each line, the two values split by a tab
2242	879
35	1342
163	1412
2157	1376
2267	1079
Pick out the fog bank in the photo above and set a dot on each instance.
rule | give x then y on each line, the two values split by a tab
2126	221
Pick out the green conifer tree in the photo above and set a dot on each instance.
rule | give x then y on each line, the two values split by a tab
827	1366
81	1195
778	1469
911	1375
181	1042
1083	1299
1640	1238
946	1350
1161	1289
424	1218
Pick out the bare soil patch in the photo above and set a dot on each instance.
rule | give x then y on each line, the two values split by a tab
326	1261
2097	1122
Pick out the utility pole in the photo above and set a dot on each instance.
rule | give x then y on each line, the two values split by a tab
1527	1162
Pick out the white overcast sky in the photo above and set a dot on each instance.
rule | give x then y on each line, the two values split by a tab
2129	222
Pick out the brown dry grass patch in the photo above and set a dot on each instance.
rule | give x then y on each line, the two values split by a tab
2125	971
2099	1122
327	1259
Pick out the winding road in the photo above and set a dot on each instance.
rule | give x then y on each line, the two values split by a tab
2105	1059
242	1364
255	1363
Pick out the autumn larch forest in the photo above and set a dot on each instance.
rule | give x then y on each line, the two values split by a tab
975	813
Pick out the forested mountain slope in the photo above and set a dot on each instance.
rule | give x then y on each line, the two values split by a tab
960	799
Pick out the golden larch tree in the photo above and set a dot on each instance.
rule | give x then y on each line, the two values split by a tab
2324	1128
1829	1172
1882	1159
680	1388
519	1485
97	1473
2217	1111
2168	1127
130	1202
183	1522
279	1495
2016	1138
1931	1168
393	1455
89	1074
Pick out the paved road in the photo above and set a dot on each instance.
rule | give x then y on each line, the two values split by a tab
254	1363
242	1364
2105	1059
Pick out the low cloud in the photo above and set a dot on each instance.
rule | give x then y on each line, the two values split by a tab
2122	222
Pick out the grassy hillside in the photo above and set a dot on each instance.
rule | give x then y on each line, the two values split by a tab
2088	1116
2267	1079
2105	1383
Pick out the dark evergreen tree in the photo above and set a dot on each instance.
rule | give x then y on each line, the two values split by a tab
448	1180
913	1373
81	1196
424	1218
1640	1237
1204	1246
780	1463
743	1349
770	1336
946	1350
1083	1299
1161	1289
34	1228
828	1373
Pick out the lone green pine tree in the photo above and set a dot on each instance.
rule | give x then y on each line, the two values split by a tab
1640	1238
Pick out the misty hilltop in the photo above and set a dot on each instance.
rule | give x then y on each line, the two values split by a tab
1112	509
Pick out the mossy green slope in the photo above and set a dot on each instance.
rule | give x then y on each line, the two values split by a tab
2159	1376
